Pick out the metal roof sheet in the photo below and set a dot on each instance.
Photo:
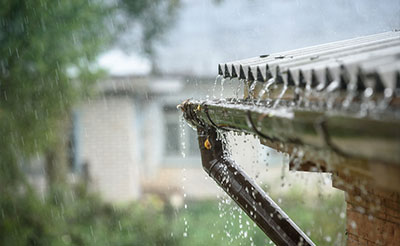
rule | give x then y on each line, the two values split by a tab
375	56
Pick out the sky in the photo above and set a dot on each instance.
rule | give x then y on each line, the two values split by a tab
207	33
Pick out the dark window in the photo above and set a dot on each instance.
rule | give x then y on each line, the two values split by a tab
174	137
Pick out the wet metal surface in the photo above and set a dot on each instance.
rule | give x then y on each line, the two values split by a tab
359	58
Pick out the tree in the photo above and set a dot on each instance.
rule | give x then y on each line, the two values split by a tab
47	50
41	42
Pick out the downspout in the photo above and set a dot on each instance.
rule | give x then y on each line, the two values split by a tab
240	187
246	193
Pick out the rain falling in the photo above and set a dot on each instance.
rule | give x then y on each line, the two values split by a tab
215	122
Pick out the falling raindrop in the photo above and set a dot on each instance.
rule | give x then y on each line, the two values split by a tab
182	125
222	88
218	80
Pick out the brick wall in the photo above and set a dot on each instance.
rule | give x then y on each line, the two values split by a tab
373	217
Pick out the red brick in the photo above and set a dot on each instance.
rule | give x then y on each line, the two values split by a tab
378	231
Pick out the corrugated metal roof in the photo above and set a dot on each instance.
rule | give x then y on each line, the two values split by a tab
375	56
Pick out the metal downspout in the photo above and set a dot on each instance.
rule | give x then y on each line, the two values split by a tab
246	193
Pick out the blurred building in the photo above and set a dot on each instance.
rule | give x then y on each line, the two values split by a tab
130	141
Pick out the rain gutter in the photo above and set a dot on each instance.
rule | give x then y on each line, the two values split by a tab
239	186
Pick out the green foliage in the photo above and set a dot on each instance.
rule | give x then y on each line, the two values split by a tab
223	223
76	218
212	223
92	222
322	217
47	50
39	41
25	220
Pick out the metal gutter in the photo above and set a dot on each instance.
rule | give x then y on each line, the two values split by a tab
345	134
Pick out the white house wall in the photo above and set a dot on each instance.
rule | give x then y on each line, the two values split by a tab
107	145
153	136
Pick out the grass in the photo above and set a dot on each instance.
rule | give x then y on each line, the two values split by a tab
221	222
